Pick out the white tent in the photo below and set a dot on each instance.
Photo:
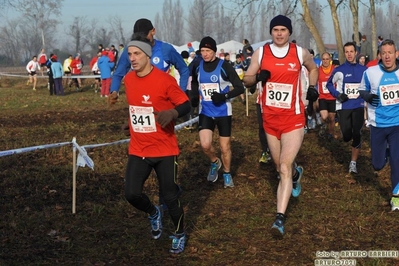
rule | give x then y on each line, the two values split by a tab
231	47
184	47
259	44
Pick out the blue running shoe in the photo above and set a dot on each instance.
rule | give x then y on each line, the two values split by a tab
156	223
178	243
277	229
213	171
228	180
296	184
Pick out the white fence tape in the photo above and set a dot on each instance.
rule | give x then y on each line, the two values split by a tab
83	159
34	148
82	149
46	76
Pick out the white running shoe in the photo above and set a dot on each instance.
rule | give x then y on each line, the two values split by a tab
352	167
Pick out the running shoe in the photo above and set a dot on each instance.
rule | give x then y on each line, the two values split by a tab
265	157
34	89
352	167
322	131
228	180
296	184
178	243
394	203
277	229
311	123
156	223
318	119
213	171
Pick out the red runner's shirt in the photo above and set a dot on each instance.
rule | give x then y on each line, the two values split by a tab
76	65
282	92
154	92
324	75
42	59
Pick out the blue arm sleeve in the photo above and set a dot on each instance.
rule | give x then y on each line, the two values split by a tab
177	60
121	70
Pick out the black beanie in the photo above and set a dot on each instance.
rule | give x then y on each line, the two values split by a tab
142	25
208	42
281	20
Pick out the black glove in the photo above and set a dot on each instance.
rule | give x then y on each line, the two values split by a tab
218	97
126	130
342	97
312	94
372	99
263	76
165	117
252	89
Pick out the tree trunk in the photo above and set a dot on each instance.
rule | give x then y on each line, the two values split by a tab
337	30
312	28
354	6
373	30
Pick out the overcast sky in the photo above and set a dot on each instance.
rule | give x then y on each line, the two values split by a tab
128	10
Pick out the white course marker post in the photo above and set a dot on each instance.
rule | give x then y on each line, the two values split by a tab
74	177
246	99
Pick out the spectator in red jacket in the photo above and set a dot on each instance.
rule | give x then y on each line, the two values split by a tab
110	55
76	66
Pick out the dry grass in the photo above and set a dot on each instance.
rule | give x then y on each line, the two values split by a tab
335	211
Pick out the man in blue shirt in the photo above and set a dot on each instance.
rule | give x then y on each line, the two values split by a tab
163	56
343	84
210	91
380	88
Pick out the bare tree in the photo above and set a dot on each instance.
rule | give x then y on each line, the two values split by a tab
373	30
310	23
103	36
250	27
262	22
118	31
10	42
337	28
79	31
170	24
43	13
158	21
354	6
390	24
200	20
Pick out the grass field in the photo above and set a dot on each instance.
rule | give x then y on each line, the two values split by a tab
335	212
